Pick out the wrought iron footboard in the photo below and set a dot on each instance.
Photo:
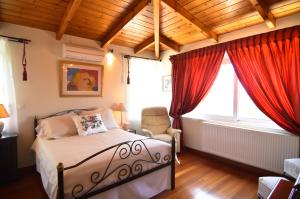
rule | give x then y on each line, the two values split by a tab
125	172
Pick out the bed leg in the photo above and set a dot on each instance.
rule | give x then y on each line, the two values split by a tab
60	175
173	151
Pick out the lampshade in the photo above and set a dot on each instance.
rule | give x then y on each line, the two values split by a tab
118	107
3	112
122	107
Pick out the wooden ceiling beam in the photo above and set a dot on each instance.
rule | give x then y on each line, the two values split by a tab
264	12
185	14
144	45
156	8
169	43
136	7
68	15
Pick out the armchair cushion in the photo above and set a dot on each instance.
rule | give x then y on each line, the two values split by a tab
155	119
163	137
292	167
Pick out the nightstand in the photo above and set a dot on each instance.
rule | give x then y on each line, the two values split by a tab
8	157
131	131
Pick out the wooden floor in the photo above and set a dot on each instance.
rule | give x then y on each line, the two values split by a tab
196	177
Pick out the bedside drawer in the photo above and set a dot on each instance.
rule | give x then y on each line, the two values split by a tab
8	157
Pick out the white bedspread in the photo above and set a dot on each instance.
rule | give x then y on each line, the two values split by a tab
71	150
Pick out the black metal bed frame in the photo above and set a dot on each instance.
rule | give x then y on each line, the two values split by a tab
124	172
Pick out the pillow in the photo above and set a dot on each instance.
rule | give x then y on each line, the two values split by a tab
89	124
57	127
106	115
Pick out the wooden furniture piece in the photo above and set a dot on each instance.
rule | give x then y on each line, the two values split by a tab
156	124
8	157
123	150
286	190
268	183
131	131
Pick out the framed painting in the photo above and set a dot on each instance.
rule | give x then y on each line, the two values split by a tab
167	83
81	79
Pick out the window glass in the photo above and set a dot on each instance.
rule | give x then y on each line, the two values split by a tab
247	108
145	88
219	100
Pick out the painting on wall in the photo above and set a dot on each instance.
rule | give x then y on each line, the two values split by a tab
167	83
81	79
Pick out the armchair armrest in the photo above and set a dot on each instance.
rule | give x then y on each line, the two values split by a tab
147	132
173	132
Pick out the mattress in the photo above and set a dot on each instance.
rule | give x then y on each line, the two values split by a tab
71	150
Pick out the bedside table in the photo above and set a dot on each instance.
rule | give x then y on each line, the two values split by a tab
8	157
131	131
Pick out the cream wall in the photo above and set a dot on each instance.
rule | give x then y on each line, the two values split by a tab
40	94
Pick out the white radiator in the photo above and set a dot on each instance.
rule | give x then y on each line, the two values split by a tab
259	149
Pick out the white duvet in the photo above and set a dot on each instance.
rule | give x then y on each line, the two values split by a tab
71	150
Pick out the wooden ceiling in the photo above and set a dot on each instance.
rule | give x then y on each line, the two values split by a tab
145	24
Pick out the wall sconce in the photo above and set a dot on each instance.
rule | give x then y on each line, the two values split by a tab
110	57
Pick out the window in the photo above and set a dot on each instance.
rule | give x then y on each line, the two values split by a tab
7	90
219	100
145	88
247	108
227	101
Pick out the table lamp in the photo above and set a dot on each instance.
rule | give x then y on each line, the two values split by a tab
3	114
121	108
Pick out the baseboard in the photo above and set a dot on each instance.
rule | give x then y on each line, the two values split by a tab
252	169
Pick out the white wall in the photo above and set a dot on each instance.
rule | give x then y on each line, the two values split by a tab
40	94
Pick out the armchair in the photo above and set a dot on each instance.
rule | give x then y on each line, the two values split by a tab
156	124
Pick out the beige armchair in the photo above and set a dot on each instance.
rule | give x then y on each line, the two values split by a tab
156	124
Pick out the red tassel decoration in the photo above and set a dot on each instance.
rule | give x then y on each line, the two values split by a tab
24	62
24	75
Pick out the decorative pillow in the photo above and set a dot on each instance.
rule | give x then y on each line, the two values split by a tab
57	127
106	115
89	124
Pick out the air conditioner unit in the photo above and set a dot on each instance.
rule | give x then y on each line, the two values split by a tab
71	51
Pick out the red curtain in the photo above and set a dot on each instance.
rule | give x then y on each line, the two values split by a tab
268	66
193	74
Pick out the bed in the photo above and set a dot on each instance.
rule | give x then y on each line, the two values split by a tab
114	164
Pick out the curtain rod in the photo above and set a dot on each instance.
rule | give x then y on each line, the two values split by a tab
16	39
129	56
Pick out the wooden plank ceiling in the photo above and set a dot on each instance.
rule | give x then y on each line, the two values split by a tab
155	25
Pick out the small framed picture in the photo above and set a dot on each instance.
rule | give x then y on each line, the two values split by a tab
167	83
81	79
